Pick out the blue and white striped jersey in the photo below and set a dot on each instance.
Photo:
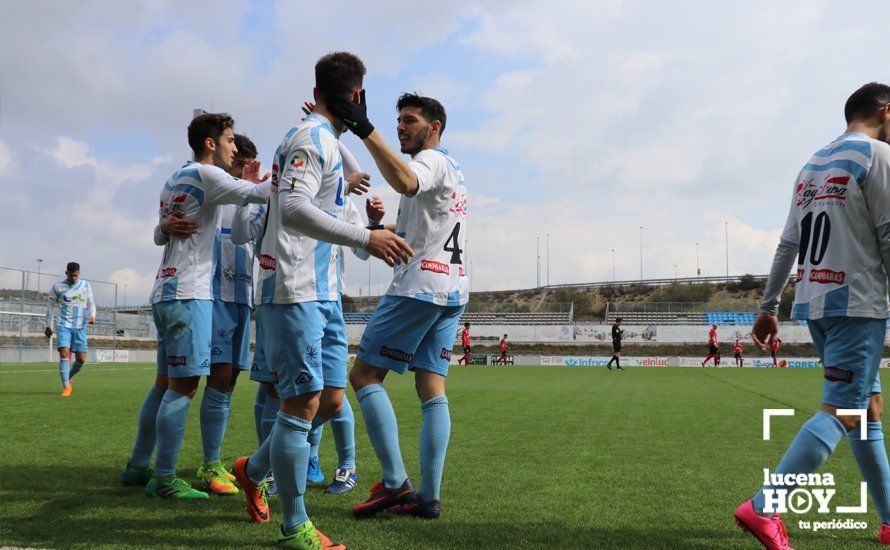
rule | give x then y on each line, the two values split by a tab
294	267
233	276
840	199
75	304
197	190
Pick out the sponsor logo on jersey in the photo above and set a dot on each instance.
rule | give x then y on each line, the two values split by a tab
168	272
274	174
827	276
799	277
268	262
835	374
179	198
446	354
176	360
435	267
396	354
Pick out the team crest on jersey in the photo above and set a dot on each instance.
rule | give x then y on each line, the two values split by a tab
458	204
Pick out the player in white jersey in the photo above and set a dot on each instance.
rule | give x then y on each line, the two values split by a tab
182	300
74	298
248	226
414	324
838	229
299	294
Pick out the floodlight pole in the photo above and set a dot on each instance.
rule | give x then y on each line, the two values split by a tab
641	253
726	228
538	262
548	259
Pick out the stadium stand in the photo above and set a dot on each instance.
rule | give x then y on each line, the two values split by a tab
478	318
731	317
657	318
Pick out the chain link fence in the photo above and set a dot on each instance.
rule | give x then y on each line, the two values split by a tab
24	299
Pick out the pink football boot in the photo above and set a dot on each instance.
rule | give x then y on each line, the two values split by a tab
769	531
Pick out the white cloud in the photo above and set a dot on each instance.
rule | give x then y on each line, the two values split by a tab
7	161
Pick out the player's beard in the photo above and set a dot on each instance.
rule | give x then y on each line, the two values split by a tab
414	146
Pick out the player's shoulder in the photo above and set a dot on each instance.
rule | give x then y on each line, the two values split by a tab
315	134
190	170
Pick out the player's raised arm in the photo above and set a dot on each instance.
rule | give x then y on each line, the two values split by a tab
223	188
392	167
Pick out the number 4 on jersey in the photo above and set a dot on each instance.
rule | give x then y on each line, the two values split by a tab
454	241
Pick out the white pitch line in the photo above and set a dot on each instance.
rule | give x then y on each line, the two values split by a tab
56	370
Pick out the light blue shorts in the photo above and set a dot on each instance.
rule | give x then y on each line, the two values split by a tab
258	370
408	334
184	331
75	339
231	334
304	345
850	349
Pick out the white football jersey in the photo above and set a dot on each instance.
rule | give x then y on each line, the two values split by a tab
840	197
434	223
294	267
186	270
233	276
75	304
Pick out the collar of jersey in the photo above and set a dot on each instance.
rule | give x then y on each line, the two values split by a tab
325	122
842	136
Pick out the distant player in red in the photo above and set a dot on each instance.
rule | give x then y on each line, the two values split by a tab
713	347
504	349
774	349
465	342
738	349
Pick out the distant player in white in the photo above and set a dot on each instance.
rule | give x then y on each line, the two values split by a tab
414	324
182	300
299	295
838	230
74	298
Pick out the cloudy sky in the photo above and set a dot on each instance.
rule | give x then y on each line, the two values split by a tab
581	119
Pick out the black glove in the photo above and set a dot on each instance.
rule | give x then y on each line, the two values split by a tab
354	115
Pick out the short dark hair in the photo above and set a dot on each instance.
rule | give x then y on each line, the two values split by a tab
208	125
430	108
466	325
338	73
866	100
618	319
505	336
72	266
246	148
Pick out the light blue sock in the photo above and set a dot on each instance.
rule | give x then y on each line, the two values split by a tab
64	372
214	417
812	446
258	405
146	431
434	436
260	464
383	430
75	368
289	451
343	428
270	415
871	455
172	415
315	435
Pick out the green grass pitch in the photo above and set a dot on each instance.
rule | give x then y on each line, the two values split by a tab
540	457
